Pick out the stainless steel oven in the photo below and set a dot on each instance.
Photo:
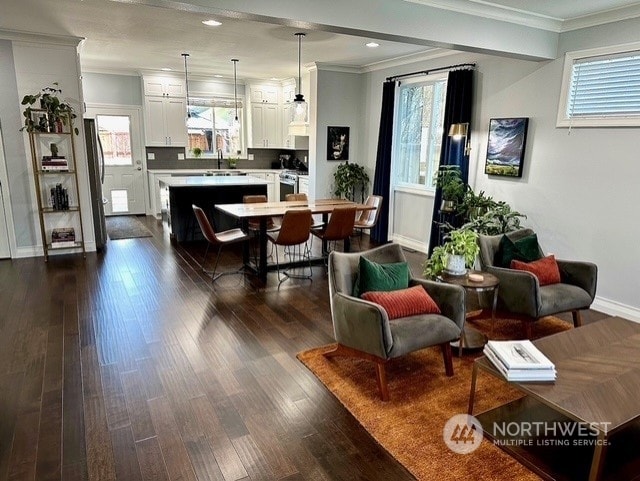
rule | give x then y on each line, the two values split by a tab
288	184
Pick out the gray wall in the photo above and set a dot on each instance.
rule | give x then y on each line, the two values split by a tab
15	155
100	88
579	189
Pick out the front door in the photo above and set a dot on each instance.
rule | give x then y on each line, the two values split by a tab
120	135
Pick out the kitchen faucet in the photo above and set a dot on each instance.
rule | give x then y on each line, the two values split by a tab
219	159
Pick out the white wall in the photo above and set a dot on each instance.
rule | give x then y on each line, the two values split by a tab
101	88
579	190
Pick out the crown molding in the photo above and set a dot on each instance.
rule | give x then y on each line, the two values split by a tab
108	71
40	38
480	8
600	18
336	68
407	59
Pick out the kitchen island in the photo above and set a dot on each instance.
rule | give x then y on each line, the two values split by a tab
205	192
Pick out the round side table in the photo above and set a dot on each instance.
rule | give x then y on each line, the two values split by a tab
470	337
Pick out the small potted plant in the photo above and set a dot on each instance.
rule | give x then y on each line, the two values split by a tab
56	112
197	152
347	178
449	179
233	162
453	257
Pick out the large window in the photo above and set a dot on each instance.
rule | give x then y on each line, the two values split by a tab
418	129
601	87
212	127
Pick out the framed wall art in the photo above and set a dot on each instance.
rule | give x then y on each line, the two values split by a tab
505	150
337	143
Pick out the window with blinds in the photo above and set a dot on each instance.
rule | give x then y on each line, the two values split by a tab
601	90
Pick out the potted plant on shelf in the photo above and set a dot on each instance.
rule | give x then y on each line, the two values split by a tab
453	257
449	179
197	152
56	113
347	178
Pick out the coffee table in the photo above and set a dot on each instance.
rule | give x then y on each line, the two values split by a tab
597	385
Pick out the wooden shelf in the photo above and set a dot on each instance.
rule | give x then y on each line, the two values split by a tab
76	245
51	210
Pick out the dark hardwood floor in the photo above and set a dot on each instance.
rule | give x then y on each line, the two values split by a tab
130	365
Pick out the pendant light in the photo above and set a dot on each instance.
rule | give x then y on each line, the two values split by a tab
235	125
186	83
298	125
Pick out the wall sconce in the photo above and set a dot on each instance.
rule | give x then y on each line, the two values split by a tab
458	131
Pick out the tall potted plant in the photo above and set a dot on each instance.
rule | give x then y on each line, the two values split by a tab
347	178
449	179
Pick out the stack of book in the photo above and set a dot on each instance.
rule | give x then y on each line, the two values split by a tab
520	361
59	198
63	237
54	162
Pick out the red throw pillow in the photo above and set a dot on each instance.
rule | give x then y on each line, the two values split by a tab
545	269
404	302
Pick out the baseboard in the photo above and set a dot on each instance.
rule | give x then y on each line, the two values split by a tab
410	243
614	308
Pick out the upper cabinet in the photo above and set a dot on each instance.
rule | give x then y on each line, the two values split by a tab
158	86
165	110
288	93
264	94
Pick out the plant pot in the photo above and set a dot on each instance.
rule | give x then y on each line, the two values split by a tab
455	265
448	206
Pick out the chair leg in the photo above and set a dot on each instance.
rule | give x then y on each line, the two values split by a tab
448	358
215	267
381	374
577	318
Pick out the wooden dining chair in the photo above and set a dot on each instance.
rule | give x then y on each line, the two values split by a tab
217	239
293	234
339	227
296	197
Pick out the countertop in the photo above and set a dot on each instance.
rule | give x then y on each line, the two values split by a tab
203	181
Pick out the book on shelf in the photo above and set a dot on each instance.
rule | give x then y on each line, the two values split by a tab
63	234
53	158
54	168
61	244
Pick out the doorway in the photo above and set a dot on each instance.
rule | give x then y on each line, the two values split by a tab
120	133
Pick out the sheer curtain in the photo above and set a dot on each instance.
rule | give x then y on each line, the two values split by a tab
457	110
382	178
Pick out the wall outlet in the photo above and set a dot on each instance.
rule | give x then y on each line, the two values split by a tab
249	156
180	156
151	156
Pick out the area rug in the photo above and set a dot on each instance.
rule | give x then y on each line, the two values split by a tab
422	399
126	227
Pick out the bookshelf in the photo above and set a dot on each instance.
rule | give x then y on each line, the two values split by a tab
53	156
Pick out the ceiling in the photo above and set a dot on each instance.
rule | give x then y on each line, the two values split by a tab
130	37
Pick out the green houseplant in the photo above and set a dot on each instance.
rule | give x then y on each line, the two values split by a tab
459	251
347	178
449	179
197	152
57	112
498	219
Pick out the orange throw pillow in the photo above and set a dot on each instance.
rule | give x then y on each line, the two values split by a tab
545	269
404	302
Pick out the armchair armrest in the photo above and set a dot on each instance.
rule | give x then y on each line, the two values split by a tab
450	298
581	274
519	291
361	325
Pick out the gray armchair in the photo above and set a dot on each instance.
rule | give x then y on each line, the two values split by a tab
520	292
363	329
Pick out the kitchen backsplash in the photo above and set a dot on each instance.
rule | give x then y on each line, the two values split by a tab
167	158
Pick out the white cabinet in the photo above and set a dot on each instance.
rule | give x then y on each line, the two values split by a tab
164	86
265	126
288	141
303	184
288	94
264	94
165	121
271	187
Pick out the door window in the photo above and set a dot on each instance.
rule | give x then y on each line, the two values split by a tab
115	134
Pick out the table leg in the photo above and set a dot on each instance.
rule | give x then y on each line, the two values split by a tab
472	393
493	309
598	457
262	261
325	244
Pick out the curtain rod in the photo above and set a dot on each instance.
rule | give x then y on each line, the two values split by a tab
427	72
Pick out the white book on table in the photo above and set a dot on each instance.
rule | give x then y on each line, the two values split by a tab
519	374
520	355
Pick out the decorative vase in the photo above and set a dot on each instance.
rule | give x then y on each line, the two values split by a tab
455	265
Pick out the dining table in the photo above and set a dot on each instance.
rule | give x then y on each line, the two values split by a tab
262	211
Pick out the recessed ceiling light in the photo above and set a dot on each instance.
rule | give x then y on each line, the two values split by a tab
212	23
372	44
273	78
166	69
218	76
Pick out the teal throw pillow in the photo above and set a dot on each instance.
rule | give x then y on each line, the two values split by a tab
525	250
380	277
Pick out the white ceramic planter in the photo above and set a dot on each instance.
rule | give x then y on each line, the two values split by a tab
456	265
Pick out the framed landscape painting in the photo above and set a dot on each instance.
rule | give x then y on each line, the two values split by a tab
505	151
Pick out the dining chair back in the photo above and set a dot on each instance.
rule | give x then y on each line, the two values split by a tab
293	234
301	196
369	218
